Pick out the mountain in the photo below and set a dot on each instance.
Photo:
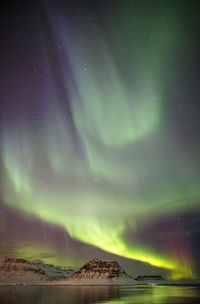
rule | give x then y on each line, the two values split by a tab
98	272
22	271
152	280
54	272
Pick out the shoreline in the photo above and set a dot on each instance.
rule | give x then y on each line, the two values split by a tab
49	285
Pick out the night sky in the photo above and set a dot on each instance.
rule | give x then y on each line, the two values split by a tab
100	133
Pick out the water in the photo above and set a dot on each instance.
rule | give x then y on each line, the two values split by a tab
99	294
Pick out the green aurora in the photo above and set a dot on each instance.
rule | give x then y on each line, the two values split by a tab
116	167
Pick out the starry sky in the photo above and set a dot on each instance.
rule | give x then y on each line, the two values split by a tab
100	133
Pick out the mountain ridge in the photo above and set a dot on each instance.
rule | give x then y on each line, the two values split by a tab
22	271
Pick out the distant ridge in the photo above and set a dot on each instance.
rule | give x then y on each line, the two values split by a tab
149	277
152	280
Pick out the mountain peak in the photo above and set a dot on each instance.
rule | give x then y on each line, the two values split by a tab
98	271
100	268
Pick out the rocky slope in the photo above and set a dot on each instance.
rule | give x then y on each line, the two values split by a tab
21	271
97	272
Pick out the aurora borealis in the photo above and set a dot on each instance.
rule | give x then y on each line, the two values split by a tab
100	133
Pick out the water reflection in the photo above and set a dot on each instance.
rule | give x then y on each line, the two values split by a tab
158	295
57	294
99	294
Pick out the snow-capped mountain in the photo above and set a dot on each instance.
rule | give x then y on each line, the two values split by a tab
54	272
98	272
22	271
